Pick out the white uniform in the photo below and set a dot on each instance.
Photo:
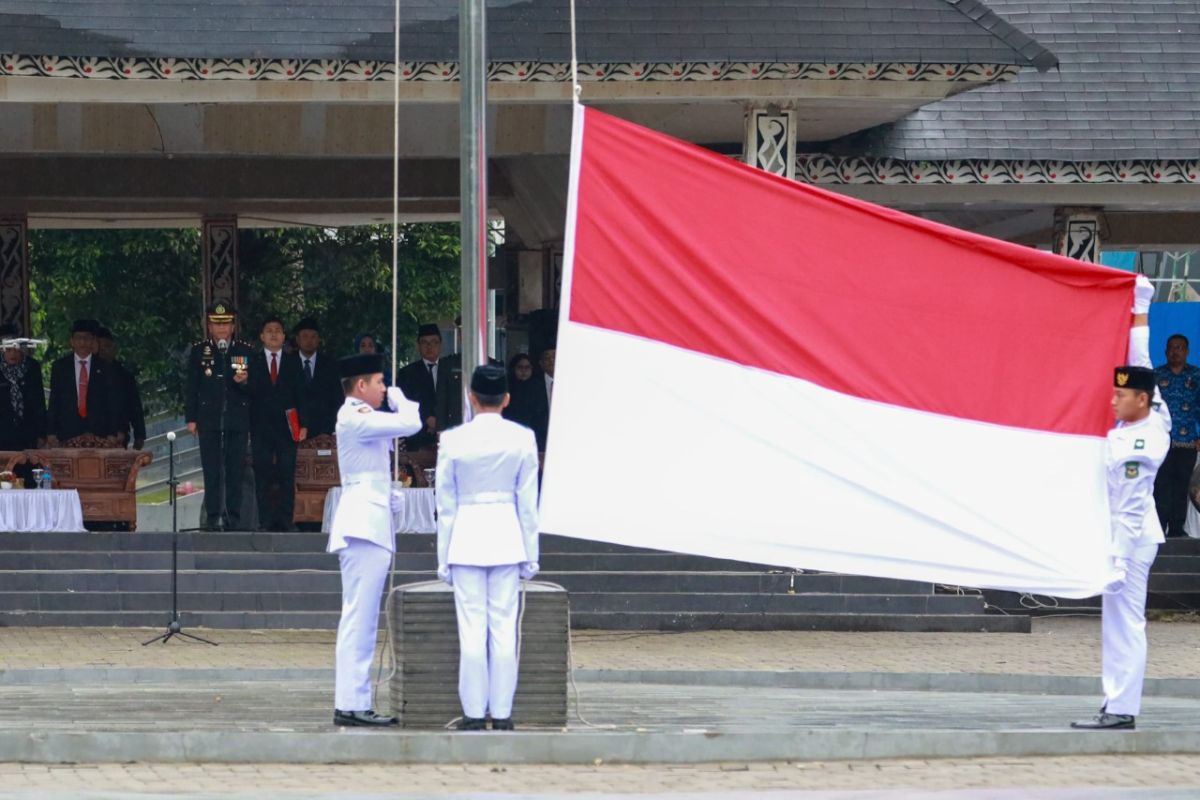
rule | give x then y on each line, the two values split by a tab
362	534
487	540
1133	455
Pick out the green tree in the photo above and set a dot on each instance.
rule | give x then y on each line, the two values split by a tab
146	286
143	284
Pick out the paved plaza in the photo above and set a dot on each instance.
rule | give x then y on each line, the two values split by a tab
776	715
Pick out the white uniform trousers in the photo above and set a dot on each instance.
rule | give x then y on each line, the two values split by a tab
364	572
487	601
1123	628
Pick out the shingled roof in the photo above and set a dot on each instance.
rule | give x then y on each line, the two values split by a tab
883	31
1127	87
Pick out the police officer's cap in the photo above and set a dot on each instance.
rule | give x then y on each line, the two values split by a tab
306	324
1138	378
221	311
360	364
429	329
85	326
489	380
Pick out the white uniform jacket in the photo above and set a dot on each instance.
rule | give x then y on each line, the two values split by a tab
364	446
487	493
1133	455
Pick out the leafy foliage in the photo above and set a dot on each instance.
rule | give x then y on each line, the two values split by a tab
146	286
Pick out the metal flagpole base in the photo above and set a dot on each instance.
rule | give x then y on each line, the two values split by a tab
175	629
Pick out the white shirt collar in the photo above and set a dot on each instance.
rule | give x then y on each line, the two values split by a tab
312	359
278	354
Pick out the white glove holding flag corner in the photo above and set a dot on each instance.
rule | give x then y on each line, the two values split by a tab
1117	581
443	573
527	569
397	501
1143	293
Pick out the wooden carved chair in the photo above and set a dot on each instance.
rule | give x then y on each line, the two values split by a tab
316	473
104	474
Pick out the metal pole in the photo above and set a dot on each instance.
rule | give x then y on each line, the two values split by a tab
473	185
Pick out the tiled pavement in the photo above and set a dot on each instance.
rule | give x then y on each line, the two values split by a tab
1060	646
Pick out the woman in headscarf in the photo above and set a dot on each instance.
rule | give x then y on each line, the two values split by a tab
367	343
527	398
22	400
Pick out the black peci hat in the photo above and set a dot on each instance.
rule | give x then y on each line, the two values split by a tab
307	324
360	364
1138	378
429	329
84	326
489	380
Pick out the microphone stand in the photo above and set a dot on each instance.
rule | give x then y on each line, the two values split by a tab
174	626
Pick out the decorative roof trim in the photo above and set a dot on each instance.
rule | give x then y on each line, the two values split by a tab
834	171
256	69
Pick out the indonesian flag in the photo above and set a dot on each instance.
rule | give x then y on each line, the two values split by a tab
757	369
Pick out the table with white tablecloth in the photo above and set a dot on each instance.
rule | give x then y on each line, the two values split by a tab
417	513
41	510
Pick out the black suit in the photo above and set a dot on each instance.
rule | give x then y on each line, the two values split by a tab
103	408
22	433
272	448
417	384
448	400
129	396
221	410
321	394
527	405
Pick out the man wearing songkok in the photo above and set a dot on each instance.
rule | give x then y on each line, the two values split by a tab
1135	449
362	532
487	474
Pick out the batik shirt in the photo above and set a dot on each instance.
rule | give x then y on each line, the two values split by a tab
1181	393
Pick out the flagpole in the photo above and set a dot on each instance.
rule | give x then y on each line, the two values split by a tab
473	186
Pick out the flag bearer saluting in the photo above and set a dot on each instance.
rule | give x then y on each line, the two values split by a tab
1135	450
362	531
487	543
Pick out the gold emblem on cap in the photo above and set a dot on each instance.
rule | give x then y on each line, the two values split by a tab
1122	378
220	309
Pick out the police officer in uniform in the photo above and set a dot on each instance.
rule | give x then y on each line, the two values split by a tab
1135	449
217	410
362	532
487	492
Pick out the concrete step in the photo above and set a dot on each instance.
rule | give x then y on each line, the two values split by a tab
583	602
649	621
909	623
191	580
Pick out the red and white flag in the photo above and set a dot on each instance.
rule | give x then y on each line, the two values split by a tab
758	369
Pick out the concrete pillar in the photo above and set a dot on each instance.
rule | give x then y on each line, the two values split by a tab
14	272
220	260
1077	233
770	142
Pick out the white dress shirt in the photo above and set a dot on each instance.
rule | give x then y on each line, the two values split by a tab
78	361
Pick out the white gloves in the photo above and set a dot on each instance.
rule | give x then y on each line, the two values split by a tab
443	573
397	501
395	397
527	569
1143	293
1121	568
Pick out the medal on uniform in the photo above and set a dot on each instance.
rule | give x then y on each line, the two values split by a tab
1131	469
208	372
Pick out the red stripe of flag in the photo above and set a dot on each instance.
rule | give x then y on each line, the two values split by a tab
681	245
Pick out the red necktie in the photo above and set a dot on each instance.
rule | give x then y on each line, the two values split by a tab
83	386
274	370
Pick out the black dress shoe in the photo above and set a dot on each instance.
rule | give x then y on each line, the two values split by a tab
365	719
505	724
472	724
1106	722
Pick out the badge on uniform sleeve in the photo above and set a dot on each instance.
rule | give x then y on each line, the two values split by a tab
364	410
1139	444
1131	469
